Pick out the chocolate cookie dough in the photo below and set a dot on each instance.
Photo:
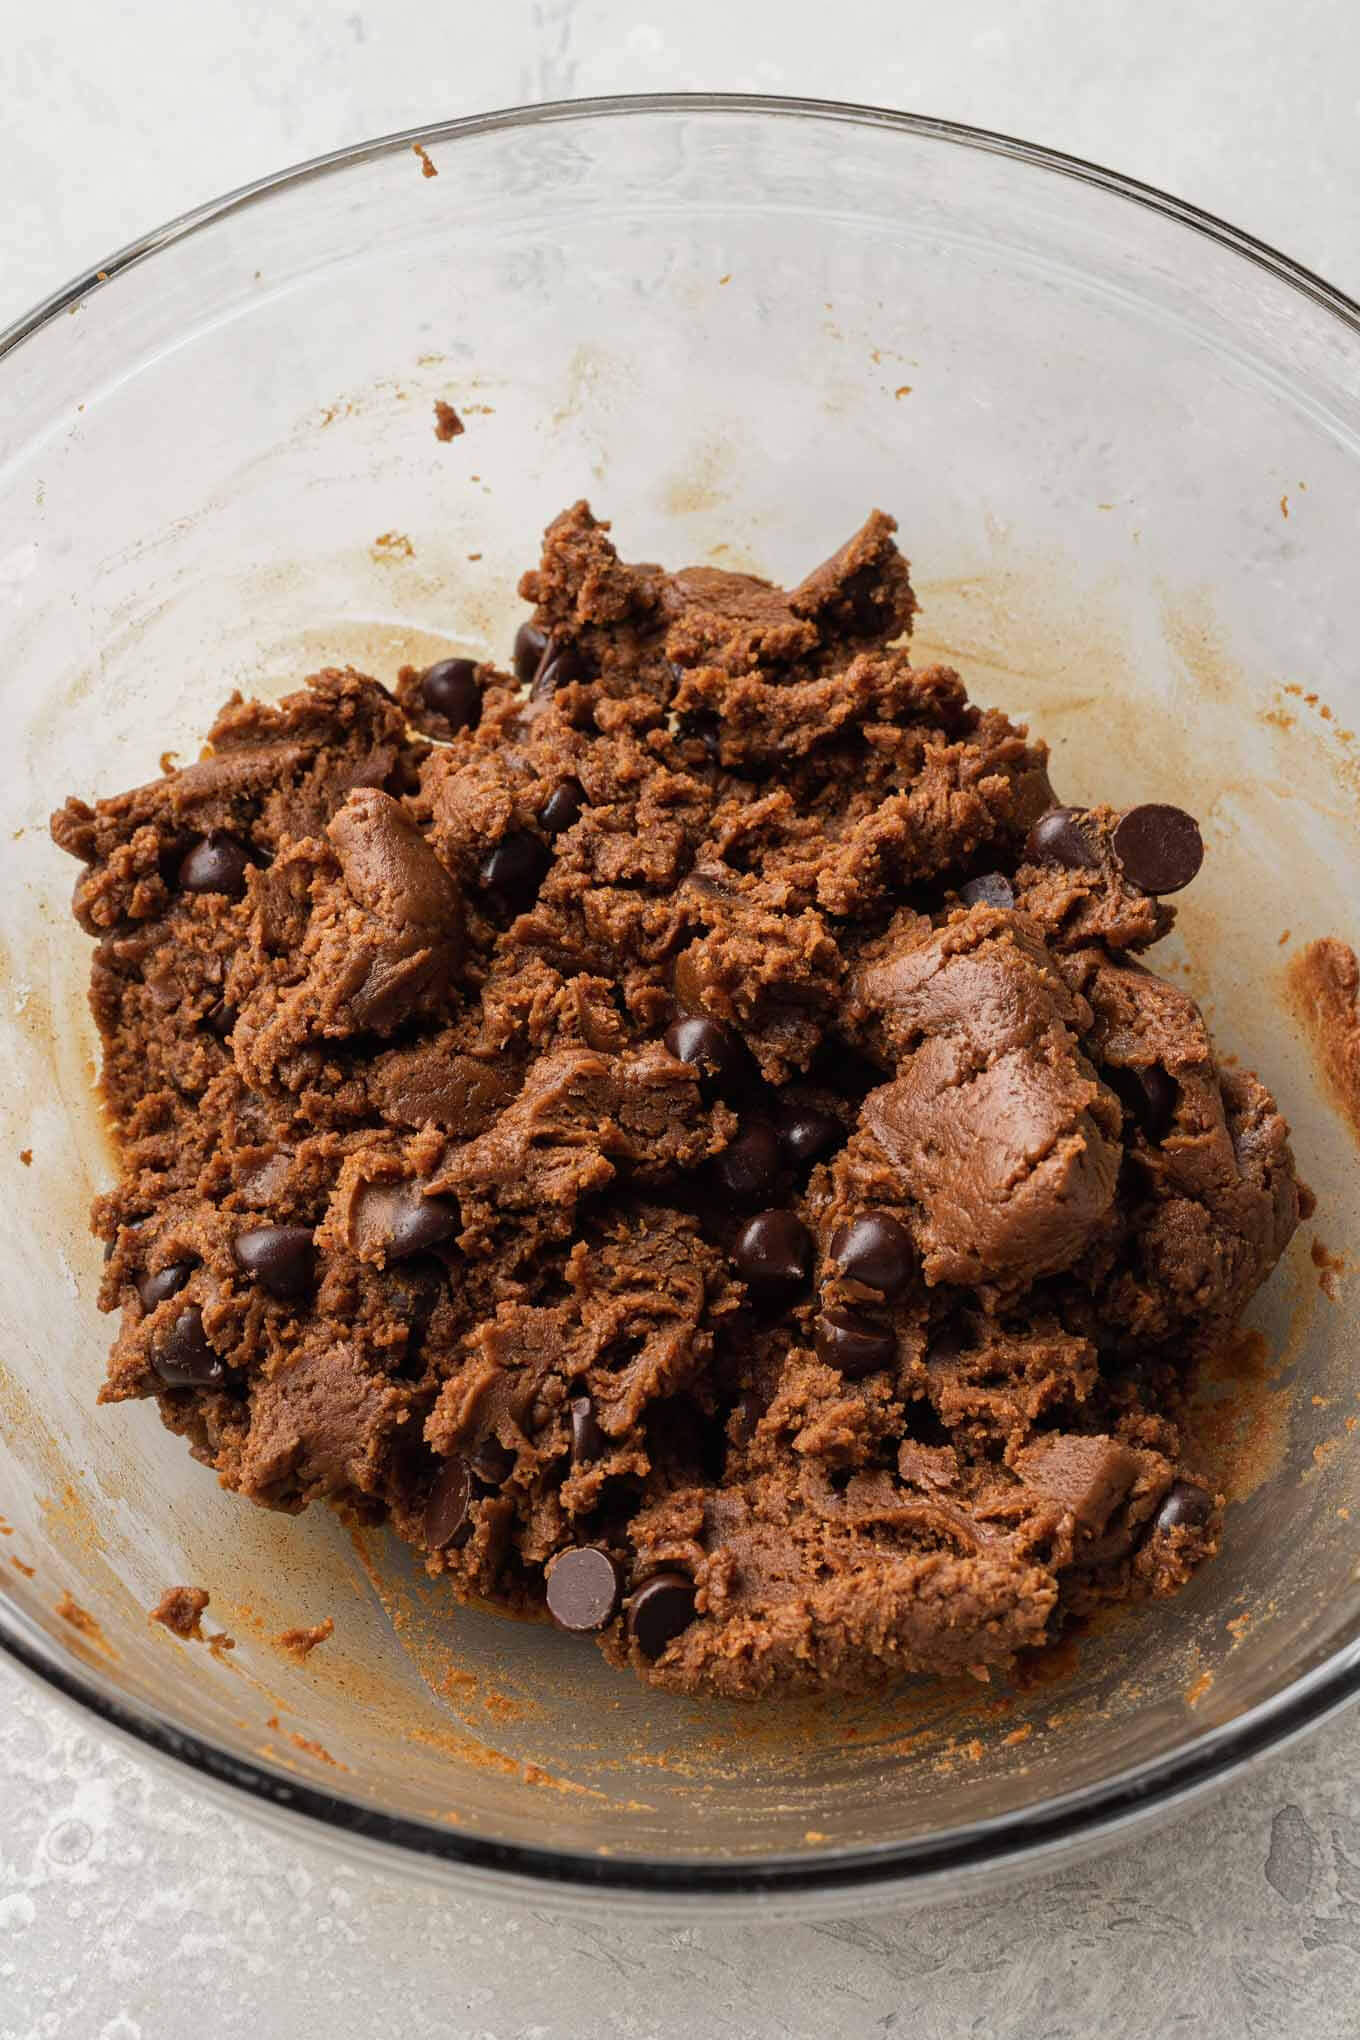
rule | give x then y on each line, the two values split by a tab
679	1129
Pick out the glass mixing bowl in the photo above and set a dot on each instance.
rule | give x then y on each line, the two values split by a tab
1123	442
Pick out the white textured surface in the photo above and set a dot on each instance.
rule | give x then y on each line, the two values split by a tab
129	1908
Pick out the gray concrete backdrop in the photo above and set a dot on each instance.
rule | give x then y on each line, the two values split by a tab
130	1909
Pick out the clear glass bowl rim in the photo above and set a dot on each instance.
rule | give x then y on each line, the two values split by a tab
1064	1823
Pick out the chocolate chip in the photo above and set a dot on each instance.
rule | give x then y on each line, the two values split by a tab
400	1219
748	1168
169	1281
450	688
220	1019
660	1610
280	1258
419	1224
184	1359
1160	847
583	1589
1148	1095
992	889
706	728
1185	1507
1058	838
806	1134
491	1462
217	863
515	868
587	1439
773	1253
530	645
559	665
875	1250
706	1045
562	808
854	1344
446	1511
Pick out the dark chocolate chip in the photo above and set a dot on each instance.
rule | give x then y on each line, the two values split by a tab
530	645
1186	1507
992	889
184	1359
220	1019
450	688
705	1044
748	1168
807	1134
746	1414
583	1589
1058	838
875	1250
1149	1095
491	1462
660	1610
559	666
280	1258
514	870
1160	847
413	1291
587	1439
154	1289
217	863
854	1344
562	808
446	1511
419	1224
773	1253
706	728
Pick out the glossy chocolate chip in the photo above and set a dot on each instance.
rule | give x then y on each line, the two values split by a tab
1186	1507
530	644
450	688
184	1358
583	1589
1058	838
169	1281
1159	847
587	1439
559	666
660	1610
876	1250
491	1462
773	1253
562	809
514	869
992	889
218	863
420	1223
706	1045
1148	1095
747	1170
854	1344
281	1259
220	1019
446	1511
807	1134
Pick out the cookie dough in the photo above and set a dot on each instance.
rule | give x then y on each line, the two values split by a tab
680	1129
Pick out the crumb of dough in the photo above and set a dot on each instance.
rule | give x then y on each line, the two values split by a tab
180	1609
300	1643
